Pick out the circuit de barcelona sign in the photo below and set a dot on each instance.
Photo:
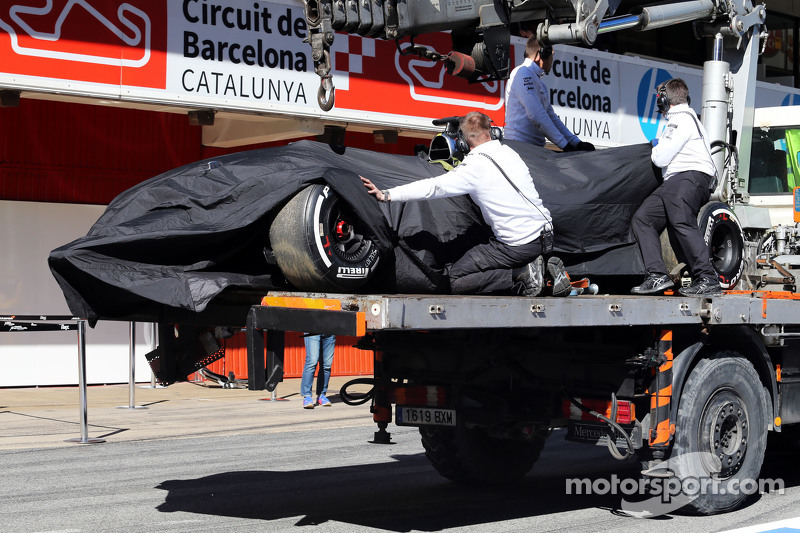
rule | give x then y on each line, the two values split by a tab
249	57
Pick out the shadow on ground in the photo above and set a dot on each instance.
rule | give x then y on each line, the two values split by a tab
401	495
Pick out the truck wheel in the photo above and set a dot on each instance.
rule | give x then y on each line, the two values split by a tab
725	239
721	434
469	454
318	244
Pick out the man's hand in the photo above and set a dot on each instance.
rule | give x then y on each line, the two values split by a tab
372	189
582	146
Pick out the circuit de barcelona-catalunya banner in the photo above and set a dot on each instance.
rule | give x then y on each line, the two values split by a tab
247	56
611	99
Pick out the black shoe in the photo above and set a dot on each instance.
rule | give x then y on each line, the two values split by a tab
530	278
561	283
654	284
702	287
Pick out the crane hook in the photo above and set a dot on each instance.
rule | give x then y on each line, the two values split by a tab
326	102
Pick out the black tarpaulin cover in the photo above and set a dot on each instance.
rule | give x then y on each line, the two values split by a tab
181	238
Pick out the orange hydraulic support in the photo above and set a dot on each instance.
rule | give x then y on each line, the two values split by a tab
661	427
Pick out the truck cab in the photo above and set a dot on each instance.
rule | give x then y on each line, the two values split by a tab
774	165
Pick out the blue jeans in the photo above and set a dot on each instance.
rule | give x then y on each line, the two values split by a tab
313	342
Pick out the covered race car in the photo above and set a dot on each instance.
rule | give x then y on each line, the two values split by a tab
221	232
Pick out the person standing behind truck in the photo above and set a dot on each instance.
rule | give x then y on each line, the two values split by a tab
684	155
316	346
529	114
510	204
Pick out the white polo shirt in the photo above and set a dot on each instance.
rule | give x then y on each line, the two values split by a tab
682	144
513	220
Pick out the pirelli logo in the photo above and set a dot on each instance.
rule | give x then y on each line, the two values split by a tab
352	272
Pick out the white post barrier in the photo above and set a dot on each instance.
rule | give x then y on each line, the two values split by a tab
82	387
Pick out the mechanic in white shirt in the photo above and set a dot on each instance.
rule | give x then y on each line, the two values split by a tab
529	114
512	260
683	153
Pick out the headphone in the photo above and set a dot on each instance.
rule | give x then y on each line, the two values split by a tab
663	101
495	133
545	51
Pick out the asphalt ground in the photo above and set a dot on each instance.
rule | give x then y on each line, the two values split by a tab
44	417
143	483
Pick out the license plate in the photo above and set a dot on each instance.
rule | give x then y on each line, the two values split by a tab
424	416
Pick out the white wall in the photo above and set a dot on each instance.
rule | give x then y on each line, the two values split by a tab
28	232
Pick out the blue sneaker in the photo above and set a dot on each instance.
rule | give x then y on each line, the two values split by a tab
323	401
308	402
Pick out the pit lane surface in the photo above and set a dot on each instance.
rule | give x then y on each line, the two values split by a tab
326	479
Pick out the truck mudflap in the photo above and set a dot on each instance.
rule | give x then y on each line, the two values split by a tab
596	432
602	422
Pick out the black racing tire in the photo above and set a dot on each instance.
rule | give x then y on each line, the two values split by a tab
724	237
721	433
466	455
318	243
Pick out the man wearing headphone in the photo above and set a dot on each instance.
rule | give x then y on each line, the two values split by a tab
529	114
510	204
683	153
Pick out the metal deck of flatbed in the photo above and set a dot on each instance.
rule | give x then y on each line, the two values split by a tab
358	315
432	312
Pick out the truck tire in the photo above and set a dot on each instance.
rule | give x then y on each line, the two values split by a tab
466	455
318	245
721	433
725	240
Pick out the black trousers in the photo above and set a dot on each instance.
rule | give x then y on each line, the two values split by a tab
487	268
675	205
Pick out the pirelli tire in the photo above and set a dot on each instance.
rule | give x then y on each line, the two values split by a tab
724	237
319	245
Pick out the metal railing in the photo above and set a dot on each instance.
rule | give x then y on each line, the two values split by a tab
37	323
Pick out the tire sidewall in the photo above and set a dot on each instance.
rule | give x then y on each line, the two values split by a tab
714	381
339	270
714	220
306	248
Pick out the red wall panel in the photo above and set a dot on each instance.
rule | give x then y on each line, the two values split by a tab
347	360
77	153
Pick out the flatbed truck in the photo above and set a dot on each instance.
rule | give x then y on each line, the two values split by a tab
689	386
487	378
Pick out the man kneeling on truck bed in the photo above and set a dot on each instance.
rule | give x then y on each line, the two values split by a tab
522	226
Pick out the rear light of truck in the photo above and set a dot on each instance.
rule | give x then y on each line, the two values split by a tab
626	410
430	395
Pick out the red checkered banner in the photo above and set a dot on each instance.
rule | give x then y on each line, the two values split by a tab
235	55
